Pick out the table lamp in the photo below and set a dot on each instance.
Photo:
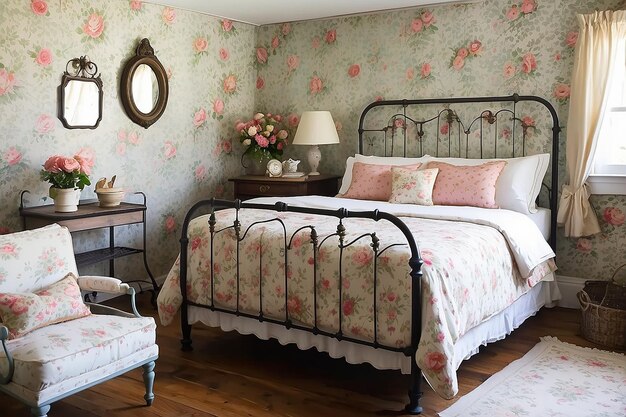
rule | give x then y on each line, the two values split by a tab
315	128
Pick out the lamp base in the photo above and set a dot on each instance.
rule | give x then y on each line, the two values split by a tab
314	156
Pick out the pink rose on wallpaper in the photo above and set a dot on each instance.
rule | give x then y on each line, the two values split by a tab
338	126
315	43
354	70
44	57
583	245
227	25
227	146
200	172
169	73
219	190
529	63
417	25
168	16
133	138
425	70
121	135
218	106
285	29
509	70
462	52
239	126
260	83
557	57
44	123
428	18
475	47
379	98
458	63
528	6
120	148
561	92
224	54
348	307
331	36
169	150
571	39
12	156
528	121
410	73
444	129
230	84
293	61
200	45
94	25
199	117
169	224
435	361
513	13
39	7
261	55
275	42
506	133
315	85
86	158
135	5
293	120
613	216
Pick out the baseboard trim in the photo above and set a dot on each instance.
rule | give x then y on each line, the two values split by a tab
569	286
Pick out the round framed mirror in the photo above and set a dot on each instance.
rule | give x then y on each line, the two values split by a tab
144	87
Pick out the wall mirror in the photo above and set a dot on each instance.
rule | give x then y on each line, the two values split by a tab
143	86
80	95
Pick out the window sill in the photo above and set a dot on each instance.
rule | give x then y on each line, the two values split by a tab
607	184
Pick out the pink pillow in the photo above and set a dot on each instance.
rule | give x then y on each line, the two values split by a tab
467	185
372	182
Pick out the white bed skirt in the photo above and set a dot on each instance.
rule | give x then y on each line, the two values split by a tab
496	328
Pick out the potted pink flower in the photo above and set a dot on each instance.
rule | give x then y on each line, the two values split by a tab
264	139
66	175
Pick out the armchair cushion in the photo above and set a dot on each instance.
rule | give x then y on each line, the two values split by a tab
61	357
25	312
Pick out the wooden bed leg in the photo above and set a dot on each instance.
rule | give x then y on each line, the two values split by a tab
415	393
186	340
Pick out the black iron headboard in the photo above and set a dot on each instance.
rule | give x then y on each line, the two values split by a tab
454	127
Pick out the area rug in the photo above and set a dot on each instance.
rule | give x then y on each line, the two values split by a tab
553	379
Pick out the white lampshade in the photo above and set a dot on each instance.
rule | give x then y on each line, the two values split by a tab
315	128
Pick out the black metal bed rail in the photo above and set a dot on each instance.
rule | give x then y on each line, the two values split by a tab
240	234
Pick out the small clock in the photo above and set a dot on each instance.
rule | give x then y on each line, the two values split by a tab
274	168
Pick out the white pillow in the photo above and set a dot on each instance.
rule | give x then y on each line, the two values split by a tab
375	160
519	183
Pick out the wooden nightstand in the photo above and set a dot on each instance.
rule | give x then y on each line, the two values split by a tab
250	186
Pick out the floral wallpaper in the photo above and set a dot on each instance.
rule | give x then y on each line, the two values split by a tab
221	72
187	155
493	47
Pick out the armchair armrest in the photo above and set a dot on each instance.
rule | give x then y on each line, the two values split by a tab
108	285
4	336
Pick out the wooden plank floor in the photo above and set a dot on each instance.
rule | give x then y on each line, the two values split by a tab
232	375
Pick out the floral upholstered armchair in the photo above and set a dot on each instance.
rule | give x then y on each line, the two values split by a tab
52	343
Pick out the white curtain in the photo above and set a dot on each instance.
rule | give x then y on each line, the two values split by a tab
600	36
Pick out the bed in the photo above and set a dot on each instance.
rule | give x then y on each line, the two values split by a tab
401	286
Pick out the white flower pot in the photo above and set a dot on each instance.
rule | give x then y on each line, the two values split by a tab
65	199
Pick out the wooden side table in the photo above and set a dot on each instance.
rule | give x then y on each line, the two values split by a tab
250	186
91	216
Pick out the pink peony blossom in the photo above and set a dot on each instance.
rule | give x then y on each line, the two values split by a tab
135	5
613	216
417	25
44	57
293	61
199	117
458	63
509	70
275	42
561	91
12	156
425	70
168	16
428	18
94	25
571	39
462	52
354	70
224	54
44	123
584	245
227	25
331	36
218	106
261	140
39	7
529	63
169	150
200	45
260	83
7	81
261	55
513	13
528	6
315	85
230	84
475	47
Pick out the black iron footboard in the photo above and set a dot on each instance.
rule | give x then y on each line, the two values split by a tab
415	264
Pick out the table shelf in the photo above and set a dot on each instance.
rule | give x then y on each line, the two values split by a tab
104	254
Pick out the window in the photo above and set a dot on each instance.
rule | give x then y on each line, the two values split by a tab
609	171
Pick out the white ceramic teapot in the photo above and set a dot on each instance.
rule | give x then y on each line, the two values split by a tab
290	165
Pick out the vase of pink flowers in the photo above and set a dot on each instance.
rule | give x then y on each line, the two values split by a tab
67	177
264	139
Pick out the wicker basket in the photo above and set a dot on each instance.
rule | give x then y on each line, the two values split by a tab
603	306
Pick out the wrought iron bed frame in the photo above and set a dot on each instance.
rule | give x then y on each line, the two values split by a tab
390	133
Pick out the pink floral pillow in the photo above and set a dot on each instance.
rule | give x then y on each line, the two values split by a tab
25	312
467	185
372	182
412	187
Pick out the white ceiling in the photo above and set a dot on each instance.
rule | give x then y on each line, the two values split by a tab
263	12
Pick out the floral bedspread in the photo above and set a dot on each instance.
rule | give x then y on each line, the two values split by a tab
469	274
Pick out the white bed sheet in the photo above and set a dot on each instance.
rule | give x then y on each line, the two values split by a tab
542	219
